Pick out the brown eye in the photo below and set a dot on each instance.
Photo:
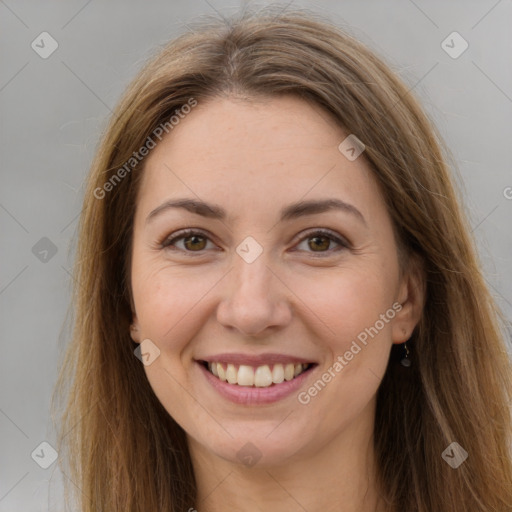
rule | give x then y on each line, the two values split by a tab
194	242
319	243
191	241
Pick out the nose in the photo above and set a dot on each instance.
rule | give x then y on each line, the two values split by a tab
255	300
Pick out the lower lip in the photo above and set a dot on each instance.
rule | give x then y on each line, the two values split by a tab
247	395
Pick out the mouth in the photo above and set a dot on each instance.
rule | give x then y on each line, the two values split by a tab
262	376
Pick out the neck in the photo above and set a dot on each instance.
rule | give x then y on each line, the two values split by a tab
339	475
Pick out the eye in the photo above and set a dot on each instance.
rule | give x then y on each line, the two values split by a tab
193	241
320	240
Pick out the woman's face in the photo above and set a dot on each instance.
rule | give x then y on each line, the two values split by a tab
291	260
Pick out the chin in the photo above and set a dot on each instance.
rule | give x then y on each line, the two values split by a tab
258	446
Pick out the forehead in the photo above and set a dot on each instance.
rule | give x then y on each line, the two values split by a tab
255	154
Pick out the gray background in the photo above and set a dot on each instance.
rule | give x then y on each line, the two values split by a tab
53	110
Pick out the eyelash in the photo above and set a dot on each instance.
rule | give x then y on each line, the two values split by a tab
167	243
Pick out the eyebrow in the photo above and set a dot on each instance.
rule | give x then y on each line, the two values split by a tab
292	211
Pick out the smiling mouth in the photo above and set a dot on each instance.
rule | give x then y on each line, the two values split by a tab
263	376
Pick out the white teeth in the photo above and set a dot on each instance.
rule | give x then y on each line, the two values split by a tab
278	374
245	375
289	371
231	374
260	377
220	371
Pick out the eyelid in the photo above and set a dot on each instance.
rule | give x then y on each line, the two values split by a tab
339	239
184	233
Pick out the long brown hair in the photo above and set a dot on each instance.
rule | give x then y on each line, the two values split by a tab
121	449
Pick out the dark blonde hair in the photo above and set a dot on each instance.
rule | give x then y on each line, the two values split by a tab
123	450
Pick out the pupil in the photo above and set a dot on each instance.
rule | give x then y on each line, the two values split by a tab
193	240
316	238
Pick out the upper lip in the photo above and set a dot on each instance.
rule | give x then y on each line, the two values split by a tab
254	360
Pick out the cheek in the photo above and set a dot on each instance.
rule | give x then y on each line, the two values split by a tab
350	305
167	300
167	303
345	303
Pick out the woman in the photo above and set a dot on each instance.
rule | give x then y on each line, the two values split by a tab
279	305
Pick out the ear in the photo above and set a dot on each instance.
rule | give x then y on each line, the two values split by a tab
135	330
412	296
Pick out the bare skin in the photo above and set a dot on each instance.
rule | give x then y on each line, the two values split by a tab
305	295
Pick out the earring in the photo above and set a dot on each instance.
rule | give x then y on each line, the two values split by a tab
405	361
